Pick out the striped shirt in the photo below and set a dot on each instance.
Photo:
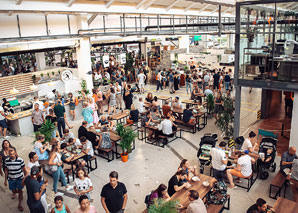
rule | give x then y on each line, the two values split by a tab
15	168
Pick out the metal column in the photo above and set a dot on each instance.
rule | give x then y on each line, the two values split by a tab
237	111
219	20
124	24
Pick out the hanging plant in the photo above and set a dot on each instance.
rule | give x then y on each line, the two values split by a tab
53	73
41	75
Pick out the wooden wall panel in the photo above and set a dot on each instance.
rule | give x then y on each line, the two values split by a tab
21	82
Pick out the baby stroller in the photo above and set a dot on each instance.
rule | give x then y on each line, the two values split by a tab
208	141
267	143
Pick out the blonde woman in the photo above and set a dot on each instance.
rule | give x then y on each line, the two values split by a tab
94	108
87	113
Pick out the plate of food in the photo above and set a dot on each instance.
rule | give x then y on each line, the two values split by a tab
78	151
195	178
206	183
67	154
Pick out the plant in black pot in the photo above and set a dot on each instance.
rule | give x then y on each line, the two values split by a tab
210	104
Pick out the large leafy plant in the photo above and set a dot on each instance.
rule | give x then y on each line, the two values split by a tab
225	121
46	129
161	206
210	103
127	136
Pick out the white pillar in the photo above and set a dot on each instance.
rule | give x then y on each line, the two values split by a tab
231	41
83	54
40	61
294	124
184	43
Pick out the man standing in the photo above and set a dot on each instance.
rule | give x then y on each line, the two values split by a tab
171	82
114	195
3	124
14	173
118	89
158	81
227	81
142	79
34	191
216	78
219	161
196	204
60	114
37	117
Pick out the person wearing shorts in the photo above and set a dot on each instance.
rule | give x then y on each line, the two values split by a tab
142	79
3	123
242	170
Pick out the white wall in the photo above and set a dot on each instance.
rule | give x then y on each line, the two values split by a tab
8	26
294	132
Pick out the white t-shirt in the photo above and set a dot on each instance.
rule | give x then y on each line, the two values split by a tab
141	78
37	145
166	127
245	163
1	116
141	107
70	135
40	105
83	185
51	96
78	142
88	145
30	165
118	88
218	155
97	76
247	144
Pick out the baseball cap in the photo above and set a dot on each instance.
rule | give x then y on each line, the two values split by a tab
177	97
246	151
34	170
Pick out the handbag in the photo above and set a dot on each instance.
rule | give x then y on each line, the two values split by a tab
53	168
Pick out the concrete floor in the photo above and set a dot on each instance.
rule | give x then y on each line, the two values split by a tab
148	165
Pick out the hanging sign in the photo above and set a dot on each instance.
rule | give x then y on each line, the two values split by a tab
123	58
106	61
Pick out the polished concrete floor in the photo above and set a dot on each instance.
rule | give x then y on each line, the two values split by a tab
148	165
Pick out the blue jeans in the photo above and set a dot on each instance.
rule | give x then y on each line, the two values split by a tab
61	125
188	86
159	85
227	85
59	174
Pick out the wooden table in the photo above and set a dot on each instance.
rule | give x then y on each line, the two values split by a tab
72	162
182	195
120	116
196	116
164	99
284	205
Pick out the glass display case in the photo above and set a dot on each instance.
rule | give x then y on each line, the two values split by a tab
267	43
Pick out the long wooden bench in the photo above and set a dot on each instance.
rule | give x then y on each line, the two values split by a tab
163	137
250	182
107	154
89	164
278	182
212	208
192	126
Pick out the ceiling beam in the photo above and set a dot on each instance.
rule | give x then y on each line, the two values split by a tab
70	3
109	3
190	6
148	5
19	2
222	3
291	5
226	10
92	18
140	4
213	11
172	5
204	8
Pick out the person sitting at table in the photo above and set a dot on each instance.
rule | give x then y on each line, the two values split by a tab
184	165
159	193
242	170
287	159
188	115
260	207
208	91
196	203
175	183
149	98
103	120
112	123
133	115
248	142
141	105
156	117
166	108
66	160
67	135
166	129
155	104
105	139
294	180
171	116
40	148
219	161
176	103
87	148
93	136
83	131
195	94
145	122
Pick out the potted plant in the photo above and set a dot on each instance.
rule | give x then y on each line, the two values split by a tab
127	136
225	121
46	129
53	73
210	104
161	206
34	78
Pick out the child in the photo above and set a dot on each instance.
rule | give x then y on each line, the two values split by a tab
43	198
268	156
141	105
83	185
60	206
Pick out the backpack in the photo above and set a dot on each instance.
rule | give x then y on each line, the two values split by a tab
218	194
76	101
148	200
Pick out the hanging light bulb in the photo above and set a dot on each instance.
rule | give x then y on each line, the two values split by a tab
51	83
33	87
13	91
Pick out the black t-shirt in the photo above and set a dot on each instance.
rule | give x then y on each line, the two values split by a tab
32	186
134	115
149	100
51	118
186	115
216	78
172	182
254	209
114	197
227	78
82	132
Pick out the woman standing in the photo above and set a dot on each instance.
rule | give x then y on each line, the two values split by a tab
93	106
72	106
188	82
218	105
87	113
99	102
176	81
128	97
55	164
4	154
112	103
